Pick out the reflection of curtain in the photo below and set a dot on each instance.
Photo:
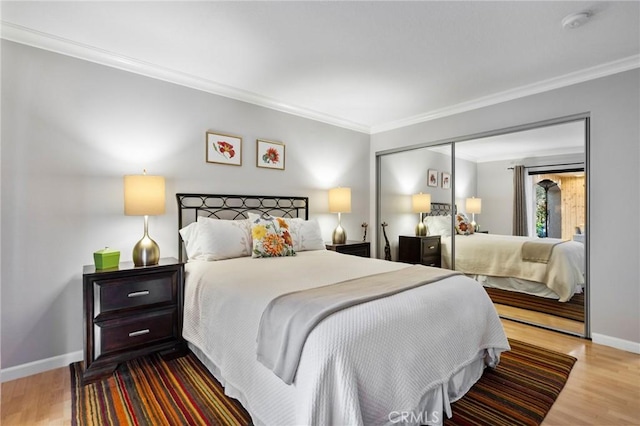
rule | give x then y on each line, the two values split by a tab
519	202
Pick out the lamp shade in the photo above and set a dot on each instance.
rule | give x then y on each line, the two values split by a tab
421	203
144	195
340	200
473	205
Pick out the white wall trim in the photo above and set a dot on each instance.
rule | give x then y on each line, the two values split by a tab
598	71
40	366
614	342
28	36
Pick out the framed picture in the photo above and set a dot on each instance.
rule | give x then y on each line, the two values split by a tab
224	149
432	178
445	180
270	154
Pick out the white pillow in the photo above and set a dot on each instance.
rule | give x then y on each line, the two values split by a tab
438	225
217	239
306	234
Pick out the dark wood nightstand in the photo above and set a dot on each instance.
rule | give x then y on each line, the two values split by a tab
130	312
423	250
355	248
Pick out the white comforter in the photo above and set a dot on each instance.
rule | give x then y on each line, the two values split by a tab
408	353
500	256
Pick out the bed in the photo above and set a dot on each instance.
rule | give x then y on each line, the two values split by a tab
544	267
402	357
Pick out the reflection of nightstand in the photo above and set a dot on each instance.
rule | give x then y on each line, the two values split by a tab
129	312
355	248
424	250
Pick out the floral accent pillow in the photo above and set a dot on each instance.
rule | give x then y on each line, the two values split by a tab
271	236
463	226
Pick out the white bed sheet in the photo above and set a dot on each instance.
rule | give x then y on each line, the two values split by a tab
486	255
412	352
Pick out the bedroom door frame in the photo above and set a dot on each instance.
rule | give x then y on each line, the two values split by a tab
585	117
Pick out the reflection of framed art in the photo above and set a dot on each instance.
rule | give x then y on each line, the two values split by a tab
445	180
270	154
432	178
224	149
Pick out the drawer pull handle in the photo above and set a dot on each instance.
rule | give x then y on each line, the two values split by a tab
432	247
138	293
139	332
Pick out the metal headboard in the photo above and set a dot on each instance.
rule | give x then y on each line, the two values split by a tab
440	209
235	207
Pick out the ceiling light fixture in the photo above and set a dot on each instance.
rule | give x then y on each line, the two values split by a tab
576	20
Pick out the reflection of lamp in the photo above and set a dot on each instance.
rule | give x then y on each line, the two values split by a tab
421	203
144	196
546	184
339	202
473	206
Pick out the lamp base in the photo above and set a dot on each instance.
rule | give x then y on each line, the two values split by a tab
421	229
339	235
146	252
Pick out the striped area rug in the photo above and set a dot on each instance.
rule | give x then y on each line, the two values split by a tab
573	309
520	391
150	391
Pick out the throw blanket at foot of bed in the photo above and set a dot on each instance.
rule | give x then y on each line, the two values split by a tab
288	319
539	251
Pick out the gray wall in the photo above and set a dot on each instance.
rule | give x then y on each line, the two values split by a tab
72	129
614	107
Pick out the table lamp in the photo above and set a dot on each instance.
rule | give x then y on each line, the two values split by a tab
144	195
421	203
473	205
339	202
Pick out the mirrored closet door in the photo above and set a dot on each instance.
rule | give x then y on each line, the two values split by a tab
412	185
523	191
529	183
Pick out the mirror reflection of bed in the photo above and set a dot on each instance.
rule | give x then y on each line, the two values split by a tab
533	279
549	291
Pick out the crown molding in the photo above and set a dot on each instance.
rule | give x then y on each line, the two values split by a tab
581	76
34	38
30	37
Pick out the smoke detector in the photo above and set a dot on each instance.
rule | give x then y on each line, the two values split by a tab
576	20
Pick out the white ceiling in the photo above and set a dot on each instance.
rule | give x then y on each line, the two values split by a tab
555	140
369	66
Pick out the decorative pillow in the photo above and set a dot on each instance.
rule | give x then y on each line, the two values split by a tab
217	239
463	226
438	225
271	236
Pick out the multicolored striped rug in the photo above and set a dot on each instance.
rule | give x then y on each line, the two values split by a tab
520	391
573	309
150	391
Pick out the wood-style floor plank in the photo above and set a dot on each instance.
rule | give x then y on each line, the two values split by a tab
603	388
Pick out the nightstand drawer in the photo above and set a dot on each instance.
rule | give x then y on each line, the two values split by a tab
136	330
431	261
430	247
117	294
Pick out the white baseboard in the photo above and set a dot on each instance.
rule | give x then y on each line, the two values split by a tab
35	367
614	342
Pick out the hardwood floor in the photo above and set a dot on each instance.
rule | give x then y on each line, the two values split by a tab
603	388
552	321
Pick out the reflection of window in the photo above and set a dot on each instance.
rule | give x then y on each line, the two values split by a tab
559	209
543	207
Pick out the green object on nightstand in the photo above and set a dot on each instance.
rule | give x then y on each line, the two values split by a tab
106	258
